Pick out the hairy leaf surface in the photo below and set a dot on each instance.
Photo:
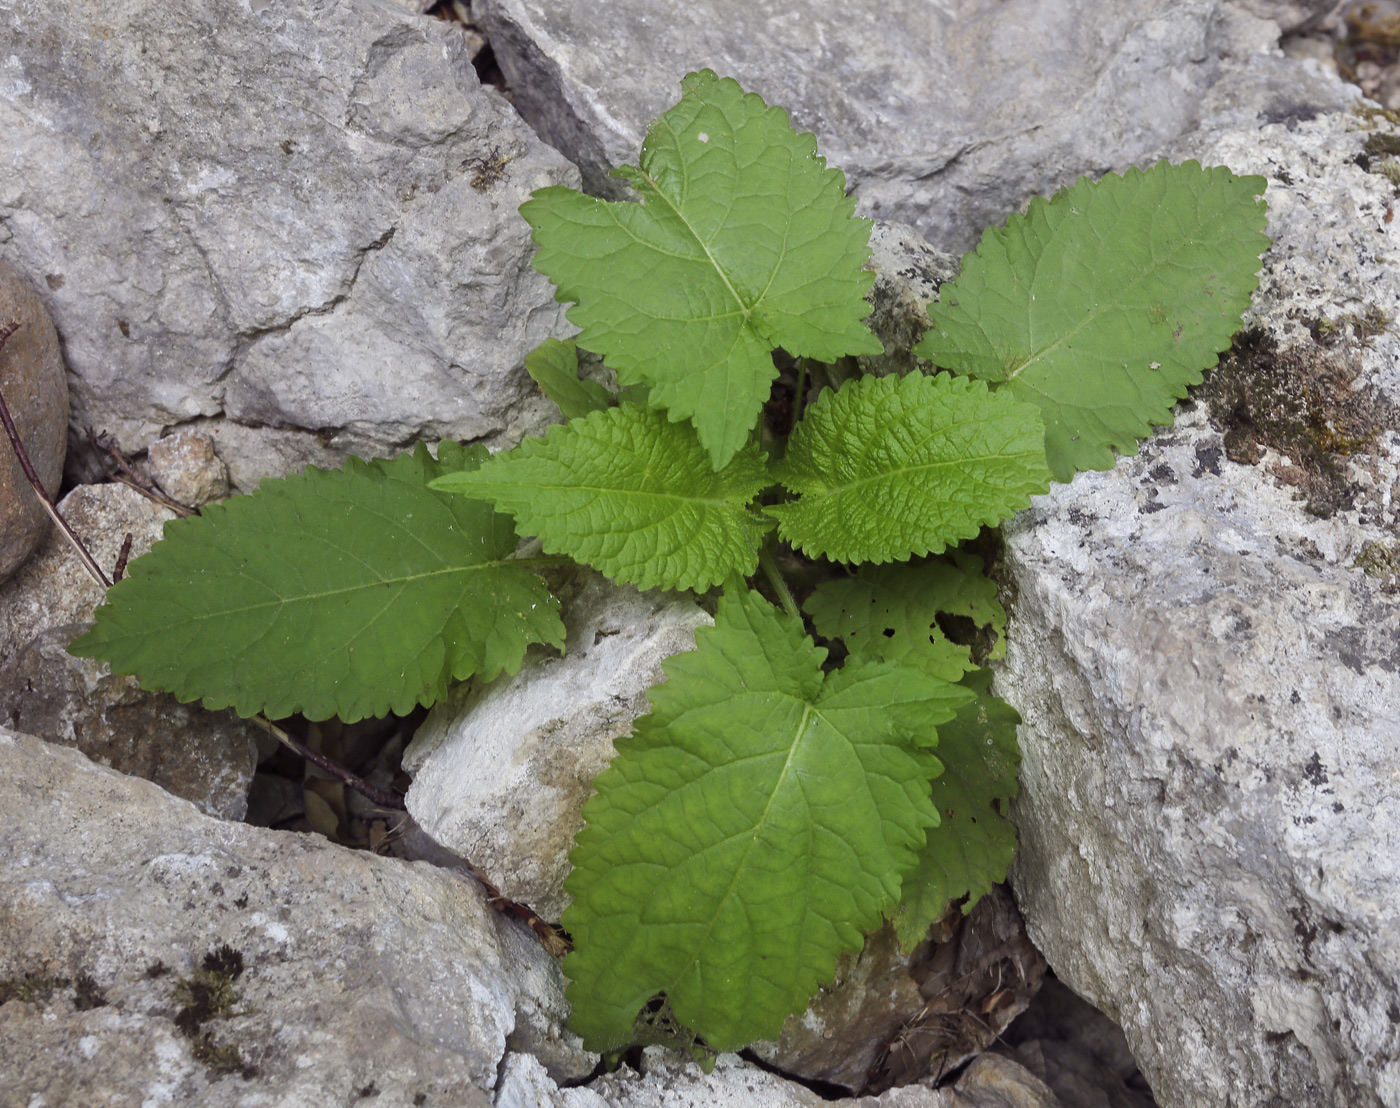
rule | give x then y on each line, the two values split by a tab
890	612
969	850
553	365
889	467
1104	303
753	826
350	593
744	241
631	495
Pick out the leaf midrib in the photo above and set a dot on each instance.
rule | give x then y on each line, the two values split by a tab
330	593
810	712
745	309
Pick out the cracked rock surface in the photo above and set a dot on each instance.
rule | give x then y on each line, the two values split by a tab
152	955
298	216
945	115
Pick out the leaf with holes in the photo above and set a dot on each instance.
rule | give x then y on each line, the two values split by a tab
631	495
890	467
751	828
744	241
1103	304
350	593
890	612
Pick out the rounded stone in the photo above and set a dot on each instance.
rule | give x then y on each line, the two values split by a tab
35	386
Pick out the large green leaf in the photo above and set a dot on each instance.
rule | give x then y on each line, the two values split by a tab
1104	303
890	612
744	241
350	592
753	826
969	850
889	467
631	495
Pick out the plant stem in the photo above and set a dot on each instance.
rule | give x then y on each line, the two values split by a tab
799	398
359	784
89	563
775	578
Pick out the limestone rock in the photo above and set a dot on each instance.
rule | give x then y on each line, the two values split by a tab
1205	646
187	468
206	757
670	1080
946	116
307	218
908	273
502	772
151	955
35	387
1290	15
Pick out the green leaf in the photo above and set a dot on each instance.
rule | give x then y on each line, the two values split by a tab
348	593
753	826
888	467
744	241
554	367
631	495
1104	303
969	850
890	612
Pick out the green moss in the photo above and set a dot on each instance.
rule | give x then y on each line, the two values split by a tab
1381	561
1301	403
205	995
1372	116
1382	145
31	988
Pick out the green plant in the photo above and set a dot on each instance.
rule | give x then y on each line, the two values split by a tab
772	806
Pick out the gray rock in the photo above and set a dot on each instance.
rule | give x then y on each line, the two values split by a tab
501	773
1290	15
307	218
669	1080
908	273
1206	652
360	979
993	1081
187	468
205	757
35	388
944	116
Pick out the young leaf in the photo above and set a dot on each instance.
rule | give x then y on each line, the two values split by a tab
631	495
753	826
969	850
553	365
889	467
349	592
890	612
744	241
1104	303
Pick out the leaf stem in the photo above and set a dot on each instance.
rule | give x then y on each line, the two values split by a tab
799	398
775	578
375	795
